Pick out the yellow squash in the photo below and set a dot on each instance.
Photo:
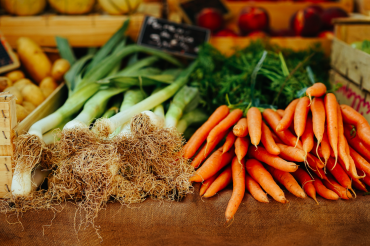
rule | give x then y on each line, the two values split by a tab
72	7
120	7
23	7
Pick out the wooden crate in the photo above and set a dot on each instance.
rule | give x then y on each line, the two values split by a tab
363	6
81	31
356	28
227	45
10	129
351	94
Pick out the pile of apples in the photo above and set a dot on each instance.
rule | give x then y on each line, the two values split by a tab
313	21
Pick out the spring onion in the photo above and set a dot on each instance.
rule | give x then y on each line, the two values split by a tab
196	116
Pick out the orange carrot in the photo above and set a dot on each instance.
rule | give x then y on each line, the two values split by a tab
318	118
241	147
238	173
339	174
287	118
201	134
241	128
224	125
268	140
221	181
365	179
312	163
331	109
254	119
357	183
356	143
206	150
325	147
323	191
342	142
206	184
255	189
288	181
316	90
261	154
300	116
276	138
212	165
305	180
307	137
360	162
272	118
280	112
353	117
319	164
264	178
230	140
337	188
290	153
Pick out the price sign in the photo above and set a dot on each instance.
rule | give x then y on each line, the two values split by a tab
8	60
191	8
178	39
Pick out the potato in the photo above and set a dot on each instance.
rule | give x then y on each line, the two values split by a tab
14	91
15	75
32	93
21	112
60	67
4	83
19	84
33	59
47	86
28	106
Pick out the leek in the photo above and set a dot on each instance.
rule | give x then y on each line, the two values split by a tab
182	98
196	116
117	100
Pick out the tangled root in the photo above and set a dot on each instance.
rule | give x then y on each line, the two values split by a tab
102	128
28	152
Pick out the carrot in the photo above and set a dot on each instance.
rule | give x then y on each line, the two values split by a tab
365	179
241	147
224	125
307	137
206	150
300	116
357	183
325	147
337	188
212	165
206	184
305	180
323	191
339	174
255	189
360	162
288	181
316	90
201	134
280	112
268	140
238	173
241	128
288	116
272	118
342	142
261	154
312	165
276	138
352	169
356	143
254	119
290	153
318	118
331	106
353	117
221	181
319	164
264	178
230	140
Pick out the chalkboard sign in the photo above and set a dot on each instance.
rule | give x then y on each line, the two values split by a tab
178	39
8	60
191	8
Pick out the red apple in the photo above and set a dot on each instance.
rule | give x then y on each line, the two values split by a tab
329	14
306	22
226	33
257	34
253	19
326	34
318	8
210	18
282	33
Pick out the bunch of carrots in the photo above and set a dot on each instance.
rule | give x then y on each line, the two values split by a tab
330	143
